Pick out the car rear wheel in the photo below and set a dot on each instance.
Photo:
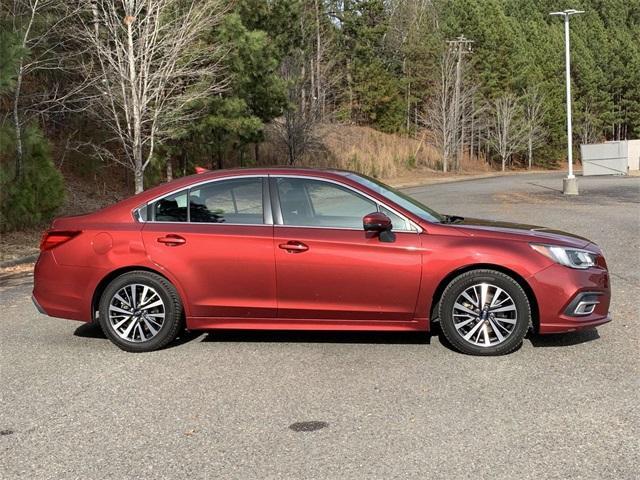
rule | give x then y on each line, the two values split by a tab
140	311
484	312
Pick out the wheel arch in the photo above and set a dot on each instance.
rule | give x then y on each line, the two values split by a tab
533	301
107	279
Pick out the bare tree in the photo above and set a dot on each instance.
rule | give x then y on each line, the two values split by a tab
43	49
588	130
533	117
152	66
323	75
409	23
296	128
506	132
446	108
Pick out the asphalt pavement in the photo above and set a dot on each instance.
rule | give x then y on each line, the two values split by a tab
307	405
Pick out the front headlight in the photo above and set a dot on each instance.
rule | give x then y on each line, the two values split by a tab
569	257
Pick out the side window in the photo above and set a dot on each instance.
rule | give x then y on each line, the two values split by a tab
315	203
142	214
228	201
171	209
397	221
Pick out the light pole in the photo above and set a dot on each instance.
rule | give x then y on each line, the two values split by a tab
569	184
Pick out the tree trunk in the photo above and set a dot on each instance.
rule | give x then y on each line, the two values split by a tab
169	170
408	107
350	90
462	140
220	159
256	150
138	178
138	161
312	89
291	144
96	19
17	126
471	134
292	156
530	152
303	98
320	95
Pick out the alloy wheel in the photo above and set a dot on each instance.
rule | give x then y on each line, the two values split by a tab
484	315
136	312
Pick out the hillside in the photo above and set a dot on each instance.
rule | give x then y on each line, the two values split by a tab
396	159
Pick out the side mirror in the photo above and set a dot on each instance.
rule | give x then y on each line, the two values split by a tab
379	224
376	222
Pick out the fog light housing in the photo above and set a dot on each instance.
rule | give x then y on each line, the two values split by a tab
583	304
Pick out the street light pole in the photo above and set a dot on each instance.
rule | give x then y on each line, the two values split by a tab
569	184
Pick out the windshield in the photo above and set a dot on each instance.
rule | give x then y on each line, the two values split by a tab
405	201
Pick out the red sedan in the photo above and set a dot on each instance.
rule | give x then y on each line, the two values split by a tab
312	249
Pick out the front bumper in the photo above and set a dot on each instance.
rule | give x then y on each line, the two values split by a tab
557	288
563	325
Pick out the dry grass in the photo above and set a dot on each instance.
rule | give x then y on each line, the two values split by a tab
368	151
84	195
378	154
19	244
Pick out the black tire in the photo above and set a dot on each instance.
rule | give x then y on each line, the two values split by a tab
459	285
173	311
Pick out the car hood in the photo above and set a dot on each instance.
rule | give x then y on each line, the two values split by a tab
534	233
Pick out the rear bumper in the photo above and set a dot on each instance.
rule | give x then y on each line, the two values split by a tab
63	291
38	307
557	288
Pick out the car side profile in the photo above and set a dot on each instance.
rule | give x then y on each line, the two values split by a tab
283	248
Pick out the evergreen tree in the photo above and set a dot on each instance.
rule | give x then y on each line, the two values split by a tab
255	95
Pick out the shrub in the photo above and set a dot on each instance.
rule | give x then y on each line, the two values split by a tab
34	198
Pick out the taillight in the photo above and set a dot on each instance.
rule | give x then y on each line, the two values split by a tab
54	238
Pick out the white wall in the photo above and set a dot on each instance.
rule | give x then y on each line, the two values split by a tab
634	154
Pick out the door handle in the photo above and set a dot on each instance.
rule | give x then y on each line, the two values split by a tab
172	240
294	247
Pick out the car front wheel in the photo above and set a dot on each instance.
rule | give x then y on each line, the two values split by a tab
140	311
485	312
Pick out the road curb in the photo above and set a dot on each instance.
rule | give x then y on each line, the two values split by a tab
19	261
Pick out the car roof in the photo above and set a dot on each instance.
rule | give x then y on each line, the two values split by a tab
276	170
231	172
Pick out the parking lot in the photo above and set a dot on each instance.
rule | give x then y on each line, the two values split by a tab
383	405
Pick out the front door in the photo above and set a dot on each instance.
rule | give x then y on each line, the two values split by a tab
329	268
216	240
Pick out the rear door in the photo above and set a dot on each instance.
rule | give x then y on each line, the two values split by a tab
328	267
216	238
